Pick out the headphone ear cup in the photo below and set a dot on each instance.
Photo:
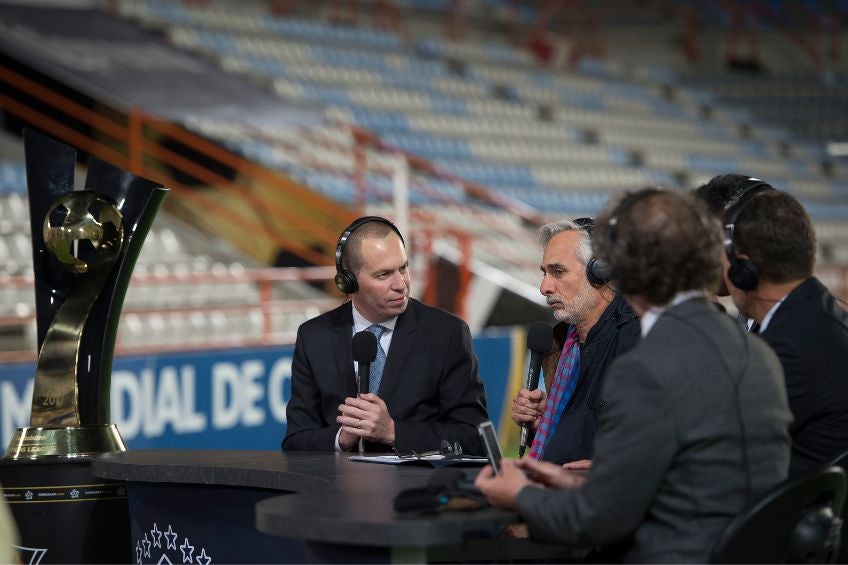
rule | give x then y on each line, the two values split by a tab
598	272
743	274
346	282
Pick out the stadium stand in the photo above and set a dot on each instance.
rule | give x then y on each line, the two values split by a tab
492	141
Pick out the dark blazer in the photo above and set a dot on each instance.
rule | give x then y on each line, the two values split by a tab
430	382
675	460
809	333
616	331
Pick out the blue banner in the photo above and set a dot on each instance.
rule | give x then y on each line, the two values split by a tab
221	399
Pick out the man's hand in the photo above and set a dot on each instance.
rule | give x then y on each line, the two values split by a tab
528	407
550	474
581	465
501	490
365	416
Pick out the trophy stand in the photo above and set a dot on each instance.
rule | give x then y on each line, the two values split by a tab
85	245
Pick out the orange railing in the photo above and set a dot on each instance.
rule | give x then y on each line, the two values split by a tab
143	145
290	217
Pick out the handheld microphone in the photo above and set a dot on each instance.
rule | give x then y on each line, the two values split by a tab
540	338
364	348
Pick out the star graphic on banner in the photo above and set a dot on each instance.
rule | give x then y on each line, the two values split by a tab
146	544
28	495
75	493
171	537
156	534
203	559
30	555
138	552
188	551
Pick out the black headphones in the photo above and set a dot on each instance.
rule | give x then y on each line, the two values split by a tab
345	279
597	270
742	272
611	233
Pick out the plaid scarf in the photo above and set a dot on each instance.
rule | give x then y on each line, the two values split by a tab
564	383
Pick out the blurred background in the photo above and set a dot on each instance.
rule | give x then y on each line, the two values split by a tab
467	122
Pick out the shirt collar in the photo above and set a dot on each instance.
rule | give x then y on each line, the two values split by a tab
649	318
360	322
770	314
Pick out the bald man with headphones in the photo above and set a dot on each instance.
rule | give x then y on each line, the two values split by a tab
427	388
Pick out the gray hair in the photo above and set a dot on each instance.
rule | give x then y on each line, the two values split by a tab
584	250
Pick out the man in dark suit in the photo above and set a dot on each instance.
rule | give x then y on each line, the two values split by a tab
574	283
428	390
696	420
769	260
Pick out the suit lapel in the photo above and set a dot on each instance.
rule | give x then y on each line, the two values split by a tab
399	351
342	338
802	295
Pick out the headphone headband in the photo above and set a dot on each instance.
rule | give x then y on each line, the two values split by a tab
597	270
345	279
742	272
631	198
745	192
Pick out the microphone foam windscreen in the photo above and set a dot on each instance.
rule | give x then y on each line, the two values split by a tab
540	337
364	347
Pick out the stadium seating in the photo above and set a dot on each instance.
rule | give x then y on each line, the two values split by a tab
552	141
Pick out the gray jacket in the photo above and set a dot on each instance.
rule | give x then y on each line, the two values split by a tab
695	427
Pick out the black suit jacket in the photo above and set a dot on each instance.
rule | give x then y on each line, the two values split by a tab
430	382
809	333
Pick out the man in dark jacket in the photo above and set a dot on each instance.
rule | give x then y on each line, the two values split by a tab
770	251
596	325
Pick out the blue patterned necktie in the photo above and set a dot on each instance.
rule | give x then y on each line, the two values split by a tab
380	362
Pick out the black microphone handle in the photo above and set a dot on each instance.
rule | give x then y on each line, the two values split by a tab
532	384
364	377
534	369
525	439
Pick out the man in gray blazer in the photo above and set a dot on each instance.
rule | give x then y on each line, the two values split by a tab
696	420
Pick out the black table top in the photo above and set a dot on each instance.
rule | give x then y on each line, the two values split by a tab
330	500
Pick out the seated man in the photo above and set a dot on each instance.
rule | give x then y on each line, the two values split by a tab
769	259
428	389
696	420
596	323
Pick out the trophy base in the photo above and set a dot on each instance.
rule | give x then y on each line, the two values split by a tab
66	442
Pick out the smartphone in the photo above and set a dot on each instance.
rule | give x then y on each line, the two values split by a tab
490	444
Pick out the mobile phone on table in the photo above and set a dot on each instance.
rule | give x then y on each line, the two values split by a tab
490	444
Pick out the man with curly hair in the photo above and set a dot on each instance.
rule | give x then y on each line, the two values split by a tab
695	426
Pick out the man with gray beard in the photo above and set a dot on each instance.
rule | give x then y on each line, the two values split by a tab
596	325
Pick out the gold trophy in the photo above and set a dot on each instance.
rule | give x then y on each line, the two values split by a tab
85	244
